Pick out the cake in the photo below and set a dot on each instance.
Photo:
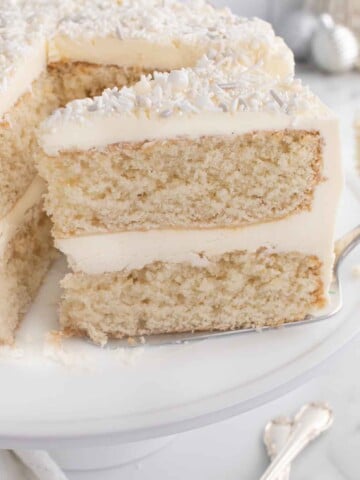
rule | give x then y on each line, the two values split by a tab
191	181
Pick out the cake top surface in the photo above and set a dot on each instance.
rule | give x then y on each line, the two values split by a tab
157	20
26	23
20	29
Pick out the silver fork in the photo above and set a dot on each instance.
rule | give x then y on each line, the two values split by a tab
311	421
276	434
342	248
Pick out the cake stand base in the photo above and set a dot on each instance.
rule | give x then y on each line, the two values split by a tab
101	458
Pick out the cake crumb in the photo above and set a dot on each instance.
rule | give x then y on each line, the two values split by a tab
55	337
54	350
356	271
128	356
10	351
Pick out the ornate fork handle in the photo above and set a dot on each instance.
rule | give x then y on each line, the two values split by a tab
276	434
311	421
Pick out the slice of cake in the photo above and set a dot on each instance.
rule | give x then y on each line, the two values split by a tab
56	51
201	199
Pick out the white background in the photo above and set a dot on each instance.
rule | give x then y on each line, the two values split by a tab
246	7
267	9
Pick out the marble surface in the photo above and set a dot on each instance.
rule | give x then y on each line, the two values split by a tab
233	450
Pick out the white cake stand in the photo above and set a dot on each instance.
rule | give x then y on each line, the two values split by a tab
96	408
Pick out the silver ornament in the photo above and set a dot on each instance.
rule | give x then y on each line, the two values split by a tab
297	29
334	48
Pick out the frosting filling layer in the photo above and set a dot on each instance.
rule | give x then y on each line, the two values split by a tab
308	232
10	223
124	53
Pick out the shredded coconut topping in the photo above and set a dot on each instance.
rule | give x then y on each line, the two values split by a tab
242	65
206	87
20	28
23	23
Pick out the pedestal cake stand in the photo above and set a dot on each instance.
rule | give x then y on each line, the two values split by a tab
97	407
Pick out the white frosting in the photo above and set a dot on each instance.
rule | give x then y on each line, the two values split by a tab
74	135
208	99
25	71
307	232
129	52
10	223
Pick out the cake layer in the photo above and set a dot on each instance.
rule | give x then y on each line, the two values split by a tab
231	291
183	183
79	80
23	263
18	141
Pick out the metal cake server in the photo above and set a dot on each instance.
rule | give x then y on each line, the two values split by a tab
343	247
